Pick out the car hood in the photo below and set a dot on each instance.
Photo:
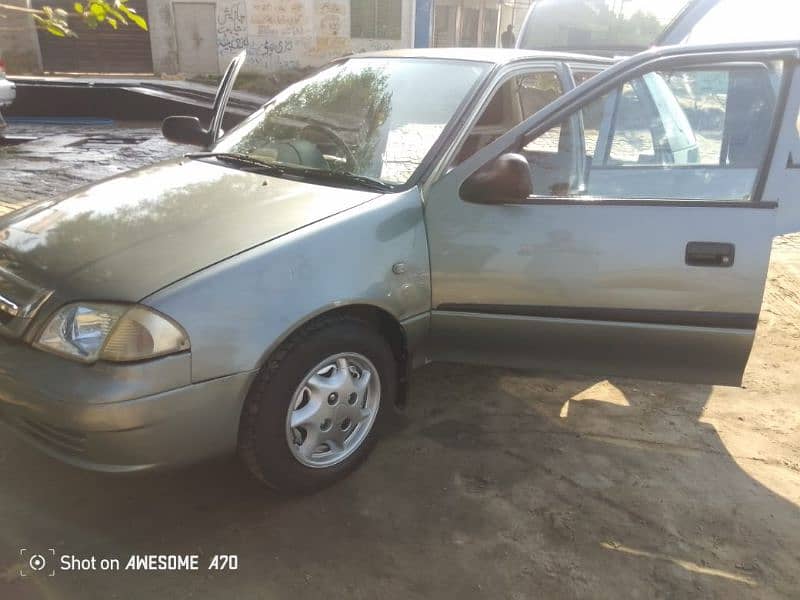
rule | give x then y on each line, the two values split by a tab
129	236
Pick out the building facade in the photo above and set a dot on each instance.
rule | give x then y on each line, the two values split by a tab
470	23
199	37
193	37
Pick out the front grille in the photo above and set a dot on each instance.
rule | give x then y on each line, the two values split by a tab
73	442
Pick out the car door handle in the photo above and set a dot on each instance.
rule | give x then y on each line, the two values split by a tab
710	254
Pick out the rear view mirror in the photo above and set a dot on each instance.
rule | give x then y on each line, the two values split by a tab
506	180
185	130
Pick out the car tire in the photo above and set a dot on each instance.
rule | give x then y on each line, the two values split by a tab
291	383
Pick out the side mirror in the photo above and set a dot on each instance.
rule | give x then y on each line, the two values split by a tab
185	130
506	180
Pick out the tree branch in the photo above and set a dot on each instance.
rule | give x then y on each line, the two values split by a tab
19	9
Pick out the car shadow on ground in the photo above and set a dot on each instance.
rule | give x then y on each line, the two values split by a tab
495	482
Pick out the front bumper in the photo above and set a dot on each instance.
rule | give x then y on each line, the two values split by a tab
118	417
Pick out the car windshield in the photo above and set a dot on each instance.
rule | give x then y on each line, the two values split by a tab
373	118
600	26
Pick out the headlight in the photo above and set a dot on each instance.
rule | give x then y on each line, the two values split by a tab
117	332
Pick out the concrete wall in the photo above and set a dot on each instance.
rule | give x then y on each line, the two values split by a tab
291	34
18	41
162	36
279	35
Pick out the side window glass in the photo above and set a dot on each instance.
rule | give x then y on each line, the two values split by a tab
536	91
632	137
690	134
515	100
592	117
580	76
703	96
548	142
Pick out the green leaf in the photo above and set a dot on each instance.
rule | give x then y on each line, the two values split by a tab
117	15
98	11
92	12
131	14
139	21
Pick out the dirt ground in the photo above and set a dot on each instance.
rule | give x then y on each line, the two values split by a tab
497	484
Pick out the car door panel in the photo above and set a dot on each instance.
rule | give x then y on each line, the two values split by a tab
783	178
620	311
606	348
602	285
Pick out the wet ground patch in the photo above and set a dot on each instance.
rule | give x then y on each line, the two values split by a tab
45	159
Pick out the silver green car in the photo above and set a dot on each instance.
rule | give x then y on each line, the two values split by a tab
270	293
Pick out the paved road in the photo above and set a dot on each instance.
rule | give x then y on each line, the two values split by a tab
497	484
64	157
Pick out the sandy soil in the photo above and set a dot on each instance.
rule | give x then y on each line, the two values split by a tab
496	484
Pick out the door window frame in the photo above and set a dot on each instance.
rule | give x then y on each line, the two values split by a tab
572	101
496	81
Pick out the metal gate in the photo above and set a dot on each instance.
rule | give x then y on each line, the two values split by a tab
101	50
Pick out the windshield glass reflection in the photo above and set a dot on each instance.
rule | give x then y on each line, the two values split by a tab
363	116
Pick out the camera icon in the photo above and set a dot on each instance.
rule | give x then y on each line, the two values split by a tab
36	562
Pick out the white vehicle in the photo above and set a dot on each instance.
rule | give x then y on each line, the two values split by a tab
8	91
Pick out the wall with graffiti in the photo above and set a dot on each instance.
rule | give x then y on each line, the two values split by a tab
291	34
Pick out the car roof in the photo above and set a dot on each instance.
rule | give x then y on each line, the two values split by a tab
497	56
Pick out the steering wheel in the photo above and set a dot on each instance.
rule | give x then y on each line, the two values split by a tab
350	159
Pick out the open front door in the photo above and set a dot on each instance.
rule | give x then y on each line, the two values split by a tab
189	130
222	97
651	259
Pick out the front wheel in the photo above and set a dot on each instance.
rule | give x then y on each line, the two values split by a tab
313	412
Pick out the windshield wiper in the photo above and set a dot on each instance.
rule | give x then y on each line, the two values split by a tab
241	159
340	177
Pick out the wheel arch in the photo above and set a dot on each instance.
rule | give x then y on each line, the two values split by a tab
383	321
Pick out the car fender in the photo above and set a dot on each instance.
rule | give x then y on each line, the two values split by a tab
238	311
